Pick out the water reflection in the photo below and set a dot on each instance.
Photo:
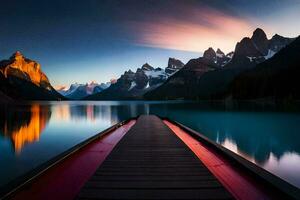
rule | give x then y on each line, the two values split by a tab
39	131
24	127
68	112
113	113
269	139
24	124
285	166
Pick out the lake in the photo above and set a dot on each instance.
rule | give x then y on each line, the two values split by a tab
34	133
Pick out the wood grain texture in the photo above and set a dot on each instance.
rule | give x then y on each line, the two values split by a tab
151	162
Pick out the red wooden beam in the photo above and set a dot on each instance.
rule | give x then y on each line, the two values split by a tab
240	184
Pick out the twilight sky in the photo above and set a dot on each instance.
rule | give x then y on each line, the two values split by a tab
81	41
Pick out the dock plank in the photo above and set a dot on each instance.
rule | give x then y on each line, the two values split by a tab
150	162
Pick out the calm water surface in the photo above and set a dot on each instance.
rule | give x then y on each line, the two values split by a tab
32	134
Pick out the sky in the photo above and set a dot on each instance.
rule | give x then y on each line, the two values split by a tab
97	40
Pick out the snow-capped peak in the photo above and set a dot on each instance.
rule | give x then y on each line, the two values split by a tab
78	90
219	53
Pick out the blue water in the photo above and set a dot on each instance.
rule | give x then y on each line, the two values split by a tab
34	133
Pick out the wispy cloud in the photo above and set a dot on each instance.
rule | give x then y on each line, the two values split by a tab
200	28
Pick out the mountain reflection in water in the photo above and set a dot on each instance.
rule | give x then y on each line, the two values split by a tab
32	134
24	127
24	124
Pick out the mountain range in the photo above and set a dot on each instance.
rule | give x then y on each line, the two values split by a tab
133	85
276	78
258	68
208	78
23	79
78	91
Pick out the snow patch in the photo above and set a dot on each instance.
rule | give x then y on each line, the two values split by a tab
147	86
230	55
133	84
173	66
156	73
251	58
270	54
219	55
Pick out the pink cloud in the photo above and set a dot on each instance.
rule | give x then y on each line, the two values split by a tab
199	29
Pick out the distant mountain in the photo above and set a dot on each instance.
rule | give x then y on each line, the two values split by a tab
133	85
173	66
276	78
254	50
79	91
184	83
210	75
23	79
217	57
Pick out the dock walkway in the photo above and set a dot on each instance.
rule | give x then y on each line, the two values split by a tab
151	162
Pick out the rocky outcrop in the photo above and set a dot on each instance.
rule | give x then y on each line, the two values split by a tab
276	78
260	40
22	78
210	54
277	42
26	69
147	67
140	78
251	51
220	53
246	47
216	57
173	65
230	54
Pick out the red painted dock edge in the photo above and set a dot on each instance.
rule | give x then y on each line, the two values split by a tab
64	180
240	185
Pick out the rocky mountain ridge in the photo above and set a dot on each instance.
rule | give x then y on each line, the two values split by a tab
277	78
78	91
132	85
259	48
22	79
24	68
208	76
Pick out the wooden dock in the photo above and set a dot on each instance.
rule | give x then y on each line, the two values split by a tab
150	158
151	162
